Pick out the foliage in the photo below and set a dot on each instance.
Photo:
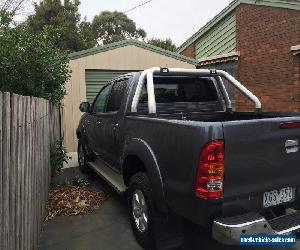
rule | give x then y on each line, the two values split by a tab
75	35
58	155
31	64
65	17
89	39
165	44
5	19
79	182
115	26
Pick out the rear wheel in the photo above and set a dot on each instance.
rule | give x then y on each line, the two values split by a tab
152	229
82	158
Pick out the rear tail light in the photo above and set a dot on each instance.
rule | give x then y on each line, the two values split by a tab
210	173
285	125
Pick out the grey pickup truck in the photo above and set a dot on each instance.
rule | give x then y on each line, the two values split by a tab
171	140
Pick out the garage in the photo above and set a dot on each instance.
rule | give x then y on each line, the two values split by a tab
96	79
92	68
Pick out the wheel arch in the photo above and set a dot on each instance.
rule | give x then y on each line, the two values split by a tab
139	157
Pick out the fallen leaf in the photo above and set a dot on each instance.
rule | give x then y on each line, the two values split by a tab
68	200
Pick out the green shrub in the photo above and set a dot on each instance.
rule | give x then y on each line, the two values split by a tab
30	63
58	155
79	182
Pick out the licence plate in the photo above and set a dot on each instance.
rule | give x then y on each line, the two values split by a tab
277	197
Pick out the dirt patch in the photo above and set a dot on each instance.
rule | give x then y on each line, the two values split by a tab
70	200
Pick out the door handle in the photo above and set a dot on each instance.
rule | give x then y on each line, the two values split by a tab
291	146
115	126
99	123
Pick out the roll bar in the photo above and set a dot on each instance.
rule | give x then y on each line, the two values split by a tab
218	74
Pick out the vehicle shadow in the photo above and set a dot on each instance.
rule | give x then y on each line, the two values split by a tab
195	237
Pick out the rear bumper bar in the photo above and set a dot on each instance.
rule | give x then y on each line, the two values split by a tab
228	230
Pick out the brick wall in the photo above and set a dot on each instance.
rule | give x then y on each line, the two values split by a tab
267	66
190	51
230	67
296	78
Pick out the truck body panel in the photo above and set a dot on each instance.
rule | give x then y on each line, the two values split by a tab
256	156
260	156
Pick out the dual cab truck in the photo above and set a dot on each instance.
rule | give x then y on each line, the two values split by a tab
170	139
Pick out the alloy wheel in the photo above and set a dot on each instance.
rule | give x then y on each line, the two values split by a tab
140	210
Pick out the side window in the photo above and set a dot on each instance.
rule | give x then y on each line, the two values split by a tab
116	95
99	103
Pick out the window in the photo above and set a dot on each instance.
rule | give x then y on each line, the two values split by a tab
116	96
99	103
182	89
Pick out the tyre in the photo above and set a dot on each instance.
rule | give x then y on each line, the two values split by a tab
152	229
82	158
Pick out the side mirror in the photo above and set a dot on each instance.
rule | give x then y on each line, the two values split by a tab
84	107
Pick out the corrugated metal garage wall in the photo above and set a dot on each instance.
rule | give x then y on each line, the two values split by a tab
96	79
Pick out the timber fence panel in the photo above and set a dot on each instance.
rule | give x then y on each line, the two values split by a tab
6	167
1	164
28	127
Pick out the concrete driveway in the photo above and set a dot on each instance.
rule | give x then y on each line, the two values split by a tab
108	228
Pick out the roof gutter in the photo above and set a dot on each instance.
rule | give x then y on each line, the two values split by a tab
232	56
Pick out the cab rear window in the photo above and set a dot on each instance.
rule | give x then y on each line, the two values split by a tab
182	89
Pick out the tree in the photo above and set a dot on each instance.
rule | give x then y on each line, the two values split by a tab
30	63
165	44
65	17
89	39
115	26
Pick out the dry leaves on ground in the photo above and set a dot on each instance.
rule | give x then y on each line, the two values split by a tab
69	200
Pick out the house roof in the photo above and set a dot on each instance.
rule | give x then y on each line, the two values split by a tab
288	4
136	43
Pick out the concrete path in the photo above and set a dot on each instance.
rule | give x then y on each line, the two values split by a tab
108	228
105	228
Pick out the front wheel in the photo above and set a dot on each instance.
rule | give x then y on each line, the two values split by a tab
82	158
152	229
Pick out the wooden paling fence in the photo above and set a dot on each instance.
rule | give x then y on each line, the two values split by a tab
28	126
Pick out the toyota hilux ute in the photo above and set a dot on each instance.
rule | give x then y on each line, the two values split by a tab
171	139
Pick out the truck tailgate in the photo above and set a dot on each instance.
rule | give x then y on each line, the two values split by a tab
260	156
